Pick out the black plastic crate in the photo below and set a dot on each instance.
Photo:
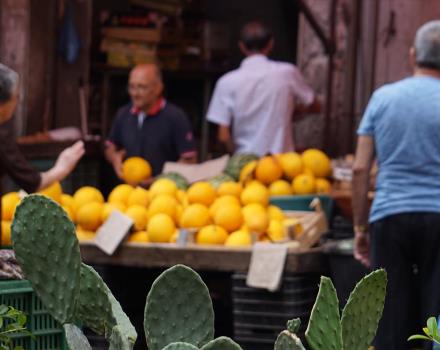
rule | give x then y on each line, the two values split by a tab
260	315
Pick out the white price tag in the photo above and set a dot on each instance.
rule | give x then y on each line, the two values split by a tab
267	266
110	235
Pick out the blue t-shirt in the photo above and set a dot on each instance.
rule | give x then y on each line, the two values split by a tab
404	120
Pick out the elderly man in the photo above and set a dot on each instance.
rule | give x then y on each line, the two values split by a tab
12	161
401	127
254	104
149	127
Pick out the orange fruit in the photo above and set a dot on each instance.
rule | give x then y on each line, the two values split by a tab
317	161
229	217
280	188
291	163
160	228
268	170
53	191
120	194
89	216
195	216
211	234
304	184
201	192
9	203
136	170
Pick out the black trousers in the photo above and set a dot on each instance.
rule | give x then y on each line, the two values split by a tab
408	247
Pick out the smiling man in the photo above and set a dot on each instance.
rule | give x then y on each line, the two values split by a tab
149	126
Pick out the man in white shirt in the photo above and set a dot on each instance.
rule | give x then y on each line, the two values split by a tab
254	104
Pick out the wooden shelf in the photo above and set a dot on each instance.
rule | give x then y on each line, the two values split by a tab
197	257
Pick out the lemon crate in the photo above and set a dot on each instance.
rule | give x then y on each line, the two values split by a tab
48	333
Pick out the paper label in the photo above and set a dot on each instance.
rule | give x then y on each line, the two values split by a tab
267	266
111	234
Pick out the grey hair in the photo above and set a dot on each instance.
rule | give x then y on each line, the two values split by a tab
427	45
8	82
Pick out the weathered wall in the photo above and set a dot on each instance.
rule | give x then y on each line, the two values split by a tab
382	57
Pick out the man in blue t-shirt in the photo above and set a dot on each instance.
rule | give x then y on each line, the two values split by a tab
149	126
401	128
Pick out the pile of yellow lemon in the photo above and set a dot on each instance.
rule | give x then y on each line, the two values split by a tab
291	173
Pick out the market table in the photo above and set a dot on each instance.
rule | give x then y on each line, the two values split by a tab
197	257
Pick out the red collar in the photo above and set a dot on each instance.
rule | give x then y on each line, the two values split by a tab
154	110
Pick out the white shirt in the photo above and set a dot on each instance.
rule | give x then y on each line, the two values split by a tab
258	100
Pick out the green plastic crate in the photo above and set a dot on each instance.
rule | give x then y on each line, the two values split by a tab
302	202
48	333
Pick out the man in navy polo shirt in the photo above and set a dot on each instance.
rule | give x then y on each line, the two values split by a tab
149	127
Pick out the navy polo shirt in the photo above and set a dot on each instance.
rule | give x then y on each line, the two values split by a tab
161	137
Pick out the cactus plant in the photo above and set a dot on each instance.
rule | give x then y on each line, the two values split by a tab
178	309
180	346
221	343
75	338
70	291
324	329
360	316
41	226
287	340
363	311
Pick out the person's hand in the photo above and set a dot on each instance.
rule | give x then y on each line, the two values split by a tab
68	158
117	160
362	248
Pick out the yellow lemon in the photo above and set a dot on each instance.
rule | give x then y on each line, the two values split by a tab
160	228
275	231
163	186
280	188
257	221
323	185
239	238
139	196
165	204
251	208
139	215
291	163
211	234
230	188
9	203
304	184
85	235
89	216
201	192
6	233
85	195
195	216
182	197
275	213
255	193
70	213
54	192
247	172
229	217
135	170
109	207
268	170
140	236
67	201
317	161
222	201
120	193
175	236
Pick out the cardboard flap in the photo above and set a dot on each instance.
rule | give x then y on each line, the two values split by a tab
198	172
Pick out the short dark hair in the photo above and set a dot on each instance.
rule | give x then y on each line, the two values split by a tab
255	36
8	81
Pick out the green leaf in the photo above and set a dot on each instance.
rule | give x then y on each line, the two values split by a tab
426	331
432	325
3	309
418	336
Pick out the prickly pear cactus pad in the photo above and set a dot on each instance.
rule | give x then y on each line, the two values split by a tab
288	341
75	338
221	343
324	329
122	320
178	309
118	340
363	311
93	308
47	249
180	346
293	325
